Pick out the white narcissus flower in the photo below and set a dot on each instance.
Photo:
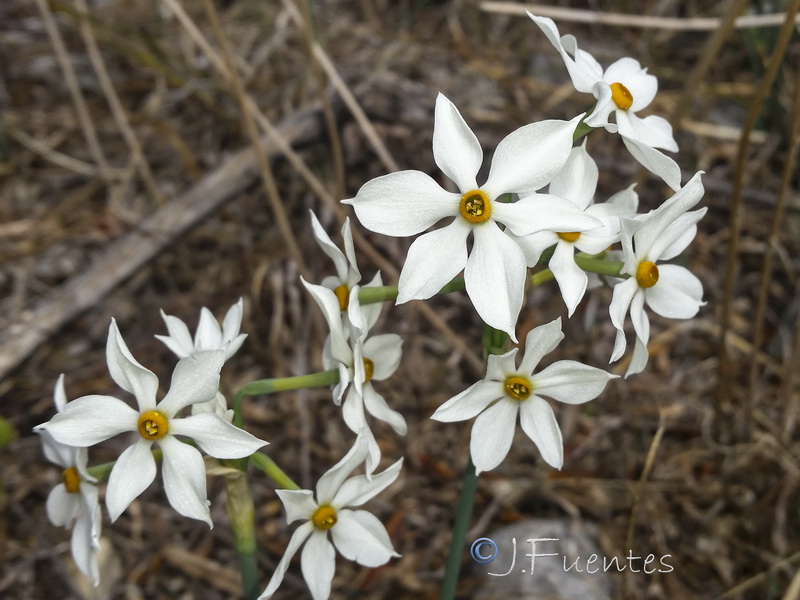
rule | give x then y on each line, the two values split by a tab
360	360
209	335
623	89
73	502
508	391
576	183
347	273
356	534
92	419
669	290
409	202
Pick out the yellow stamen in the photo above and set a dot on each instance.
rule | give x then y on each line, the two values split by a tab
569	236
621	96
72	481
369	369
153	425
647	274
343	296
475	206
518	387
324	517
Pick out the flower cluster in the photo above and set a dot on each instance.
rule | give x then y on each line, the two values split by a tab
92	419
537	209
359	358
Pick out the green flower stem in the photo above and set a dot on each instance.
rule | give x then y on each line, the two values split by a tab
494	342
273	471
241	515
597	264
263	387
466	501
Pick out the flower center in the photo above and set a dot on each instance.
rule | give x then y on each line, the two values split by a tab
369	369
342	295
324	517
72	481
647	274
569	236
153	425
621	96
475	206
518	388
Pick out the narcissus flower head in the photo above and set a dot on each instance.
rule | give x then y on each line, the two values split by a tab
92	419
356	534
509	390
409	202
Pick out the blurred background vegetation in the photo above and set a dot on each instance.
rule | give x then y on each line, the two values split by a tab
164	154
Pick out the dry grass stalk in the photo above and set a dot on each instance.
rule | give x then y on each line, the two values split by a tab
737	217
576	15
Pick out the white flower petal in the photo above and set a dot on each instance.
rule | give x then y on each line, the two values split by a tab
91	419
62	507
658	220
456	150
232	322
57	453
571	279
84	541
377	407
499	366
385	351
676	237
403	203
655	162
539	423
639	358
528	158
495	278
331	481
127	373
641	324
318	563
299	504
134	471
372	311
329	248
60	394
577	180
208	335
543	212
492	434
642	86
326	300
433	260
298	537
179	339
571	382
534	245
216	437
195	379
652	131
361	537
585	72
603	108
353	410
358	490
621	298
677	295
185	479
541	340
470	402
